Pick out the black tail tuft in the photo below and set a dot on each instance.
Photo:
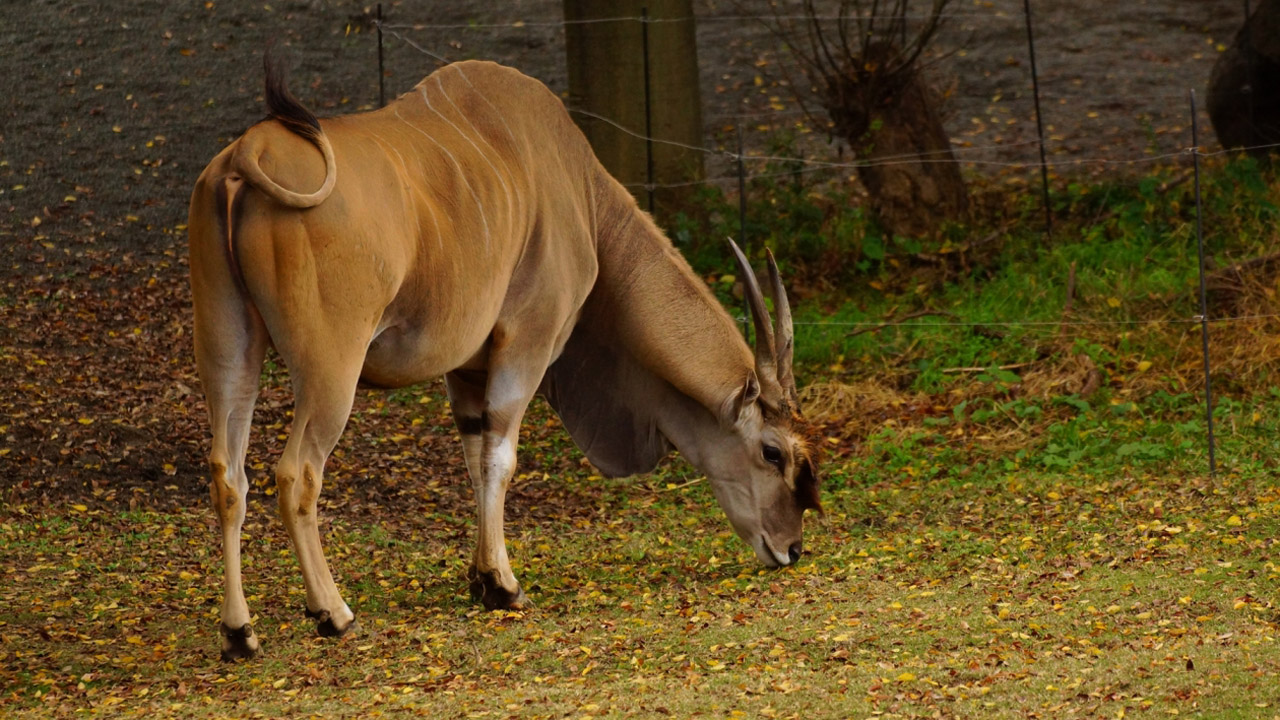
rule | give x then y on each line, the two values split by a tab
281	104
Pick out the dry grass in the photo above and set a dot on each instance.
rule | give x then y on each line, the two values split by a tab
1040	596
1139	361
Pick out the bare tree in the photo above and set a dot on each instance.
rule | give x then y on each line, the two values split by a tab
865	65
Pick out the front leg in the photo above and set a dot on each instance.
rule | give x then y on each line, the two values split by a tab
489	437
491	579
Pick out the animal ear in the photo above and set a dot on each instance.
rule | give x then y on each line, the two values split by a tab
807	486
744	398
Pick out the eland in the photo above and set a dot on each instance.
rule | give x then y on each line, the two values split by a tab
467	230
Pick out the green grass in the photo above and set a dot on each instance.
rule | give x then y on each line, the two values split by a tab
1008	594
997	278
1035	541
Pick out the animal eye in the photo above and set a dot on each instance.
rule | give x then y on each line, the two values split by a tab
772	455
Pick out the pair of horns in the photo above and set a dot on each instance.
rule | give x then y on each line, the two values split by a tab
774	341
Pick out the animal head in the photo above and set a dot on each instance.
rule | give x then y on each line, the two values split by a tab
761	470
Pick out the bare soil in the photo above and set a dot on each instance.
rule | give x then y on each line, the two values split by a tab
113	108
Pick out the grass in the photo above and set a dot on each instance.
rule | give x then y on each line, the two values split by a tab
1009	595
1019	520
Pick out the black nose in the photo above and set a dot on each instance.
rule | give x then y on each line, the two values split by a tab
794	553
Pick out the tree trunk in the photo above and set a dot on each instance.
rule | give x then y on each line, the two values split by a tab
1244	89
606	63
910	172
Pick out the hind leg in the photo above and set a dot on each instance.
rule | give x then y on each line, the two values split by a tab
324	389
229	359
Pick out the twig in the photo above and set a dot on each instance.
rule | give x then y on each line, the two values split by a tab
961	251
1167	186
1230	276
695	481
1014	366
897	321
1071	298
1110	210
1071	290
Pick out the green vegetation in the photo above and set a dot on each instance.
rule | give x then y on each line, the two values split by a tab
1006	594
993	346
1019	518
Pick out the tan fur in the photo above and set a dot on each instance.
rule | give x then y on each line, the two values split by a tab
465	230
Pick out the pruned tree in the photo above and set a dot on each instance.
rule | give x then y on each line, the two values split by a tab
1244	89
865	66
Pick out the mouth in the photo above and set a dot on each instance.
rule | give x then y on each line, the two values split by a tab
770	557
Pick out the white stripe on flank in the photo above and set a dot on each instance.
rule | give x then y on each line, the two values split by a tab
485	98
461	171
405	165
422	90
505	188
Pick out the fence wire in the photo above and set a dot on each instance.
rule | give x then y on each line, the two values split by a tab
797	165
517	24
812	164
955	153
1191	320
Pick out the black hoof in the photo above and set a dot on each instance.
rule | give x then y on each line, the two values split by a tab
325	626
239	643
486	589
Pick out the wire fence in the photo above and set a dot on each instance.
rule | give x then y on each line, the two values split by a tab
808	164
420	36
1038	120
968	155
1192	320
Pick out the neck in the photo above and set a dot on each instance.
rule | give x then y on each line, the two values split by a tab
662	312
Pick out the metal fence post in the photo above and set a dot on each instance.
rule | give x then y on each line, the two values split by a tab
742	223
1035	89
382	93
648	109
1204	303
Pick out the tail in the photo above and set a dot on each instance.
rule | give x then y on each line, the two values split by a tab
283	107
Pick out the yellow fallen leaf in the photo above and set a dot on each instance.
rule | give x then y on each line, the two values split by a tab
906	677
1144	366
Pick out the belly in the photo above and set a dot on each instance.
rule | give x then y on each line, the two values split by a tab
404	355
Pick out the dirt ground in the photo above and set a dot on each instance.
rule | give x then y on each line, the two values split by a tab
113	108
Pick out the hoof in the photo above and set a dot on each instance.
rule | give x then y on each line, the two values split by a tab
486	589
239	643
326	627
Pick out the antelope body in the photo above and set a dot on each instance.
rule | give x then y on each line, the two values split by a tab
467	230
